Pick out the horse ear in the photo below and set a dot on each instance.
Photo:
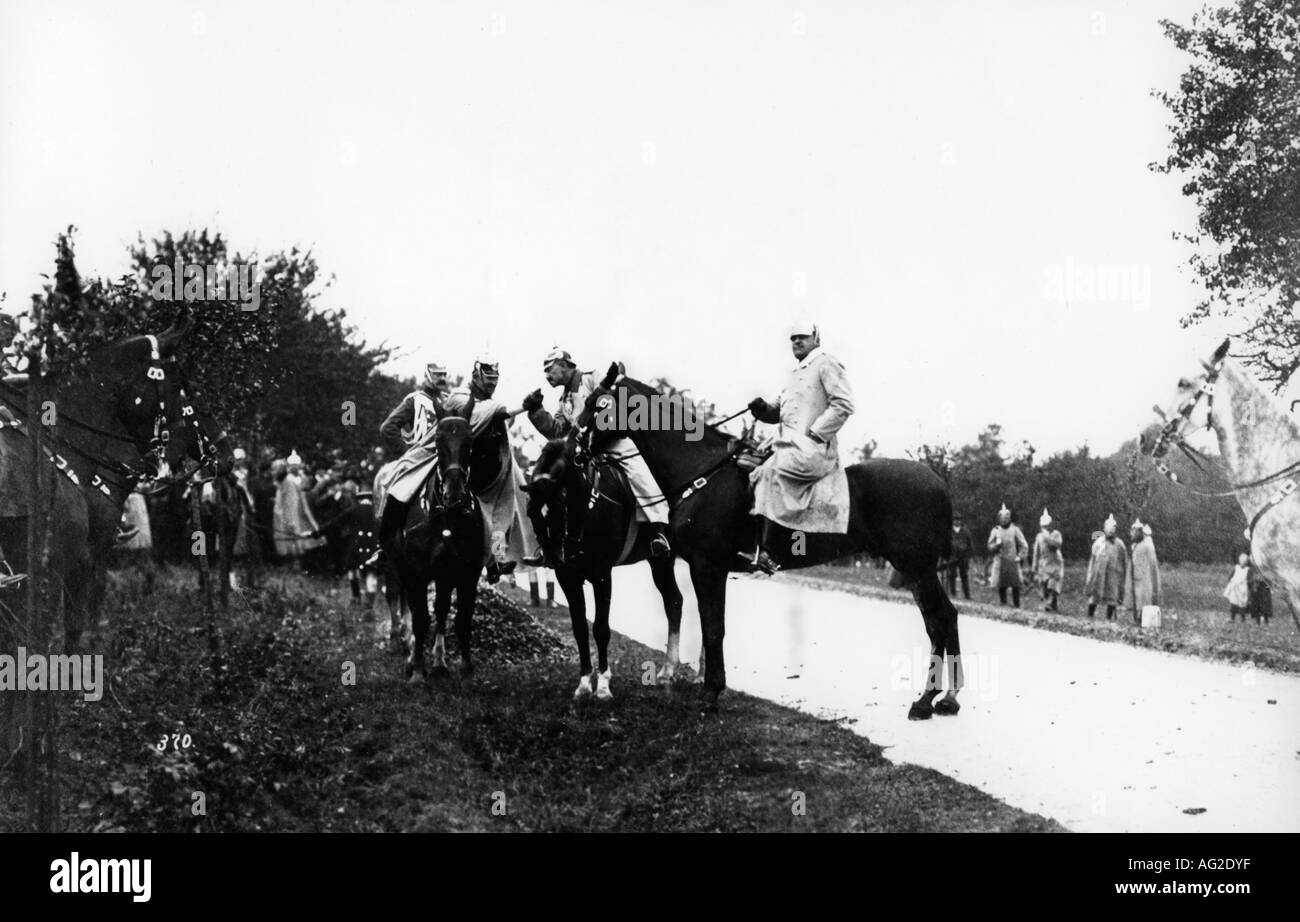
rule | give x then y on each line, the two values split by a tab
615	370
170	338
1222	351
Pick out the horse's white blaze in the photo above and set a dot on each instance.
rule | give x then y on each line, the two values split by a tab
602	686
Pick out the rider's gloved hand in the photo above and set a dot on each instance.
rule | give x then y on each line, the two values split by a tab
758	406
533	401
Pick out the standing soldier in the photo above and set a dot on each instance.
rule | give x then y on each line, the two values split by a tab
963	548
562	371
1144	574
1008	545
1048	562
1107	570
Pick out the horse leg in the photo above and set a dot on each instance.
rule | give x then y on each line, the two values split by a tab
710	583
951	647
601	589
441	605
571	582
466	595
923	708
396	601
225	552
417	599
666	582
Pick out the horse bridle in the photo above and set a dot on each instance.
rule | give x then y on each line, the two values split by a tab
130	474
1171	432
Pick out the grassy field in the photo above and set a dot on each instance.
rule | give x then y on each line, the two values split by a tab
1195	614
280	742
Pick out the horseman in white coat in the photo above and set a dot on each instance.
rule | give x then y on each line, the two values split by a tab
652	508
408	433
802	486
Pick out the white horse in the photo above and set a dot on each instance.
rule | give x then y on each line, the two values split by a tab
1259	443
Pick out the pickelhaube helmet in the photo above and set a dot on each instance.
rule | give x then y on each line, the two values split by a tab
486	373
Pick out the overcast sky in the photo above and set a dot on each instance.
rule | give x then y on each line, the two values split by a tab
665	183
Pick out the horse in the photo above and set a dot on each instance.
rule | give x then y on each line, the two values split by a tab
441	542
898	509
113	426
609	538
1259	443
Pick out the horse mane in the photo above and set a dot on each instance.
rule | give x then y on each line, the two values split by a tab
720	437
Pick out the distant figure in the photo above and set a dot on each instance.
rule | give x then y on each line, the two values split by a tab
1107	570
1008	545
293	520
1261	595
963	548
1048	562
1144	574
1237	592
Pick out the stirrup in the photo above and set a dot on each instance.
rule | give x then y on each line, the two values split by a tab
536	560
659	546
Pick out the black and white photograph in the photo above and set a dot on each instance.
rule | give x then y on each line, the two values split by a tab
728	417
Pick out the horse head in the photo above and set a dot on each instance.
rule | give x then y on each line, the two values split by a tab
452	442
1195	389
598	422
141	382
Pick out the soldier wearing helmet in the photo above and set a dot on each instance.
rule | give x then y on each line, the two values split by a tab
405	432
561	371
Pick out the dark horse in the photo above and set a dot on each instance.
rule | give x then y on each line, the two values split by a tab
598	493
441	542
114	425
899	510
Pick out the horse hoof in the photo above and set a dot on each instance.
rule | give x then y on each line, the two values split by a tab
709	699
467	669
920	710
603	692
947	707
440	671
414	676
583	690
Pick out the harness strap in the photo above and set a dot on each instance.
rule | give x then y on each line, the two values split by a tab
1287	489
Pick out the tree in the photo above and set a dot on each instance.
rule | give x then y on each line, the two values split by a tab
1236	138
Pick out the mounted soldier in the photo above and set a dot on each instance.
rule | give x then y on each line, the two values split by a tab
561	371
406	433
802	486
494	476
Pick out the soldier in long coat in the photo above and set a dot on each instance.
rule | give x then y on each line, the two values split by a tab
790	487
1144	574
1048	563
1107	571
293	517
1009	548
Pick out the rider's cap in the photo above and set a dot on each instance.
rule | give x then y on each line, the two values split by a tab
1110	524
556	355
1045	518
433	368
1004	510
294	458
240	454
803	326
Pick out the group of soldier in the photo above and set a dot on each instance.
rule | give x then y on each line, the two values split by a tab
1118	575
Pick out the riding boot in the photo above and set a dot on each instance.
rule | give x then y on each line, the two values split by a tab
1110	612
1002	595
1015	596
394	515
1092	610
760	559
